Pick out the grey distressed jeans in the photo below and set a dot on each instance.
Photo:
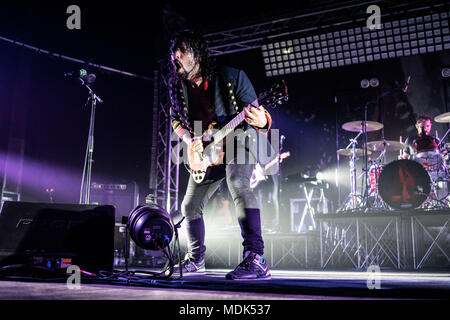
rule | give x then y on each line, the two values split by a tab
197	195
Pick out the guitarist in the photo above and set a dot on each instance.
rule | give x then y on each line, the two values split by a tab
201	91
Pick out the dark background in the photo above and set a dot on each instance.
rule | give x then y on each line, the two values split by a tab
47	111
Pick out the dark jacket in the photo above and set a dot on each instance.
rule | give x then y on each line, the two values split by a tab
232	92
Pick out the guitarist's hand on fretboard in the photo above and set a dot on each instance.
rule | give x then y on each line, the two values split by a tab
256	117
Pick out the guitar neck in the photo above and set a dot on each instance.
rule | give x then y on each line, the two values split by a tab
274	161
229	127
270	98
270	164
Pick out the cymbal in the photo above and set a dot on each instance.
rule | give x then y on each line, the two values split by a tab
356	126
388	145
443	118
349	152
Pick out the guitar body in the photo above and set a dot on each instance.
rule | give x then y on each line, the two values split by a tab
257	176
199	162
258	173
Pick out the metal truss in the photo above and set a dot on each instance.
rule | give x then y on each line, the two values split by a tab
225	249
333	15
283	250
360	242
292	250
402	240
430	240
164	172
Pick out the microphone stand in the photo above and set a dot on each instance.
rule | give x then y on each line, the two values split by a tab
88	159
280	149
364	128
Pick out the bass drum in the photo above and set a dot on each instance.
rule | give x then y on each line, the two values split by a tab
404	184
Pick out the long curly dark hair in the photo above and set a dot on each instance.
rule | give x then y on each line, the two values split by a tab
192	40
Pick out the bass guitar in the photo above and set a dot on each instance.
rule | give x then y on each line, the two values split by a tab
258	174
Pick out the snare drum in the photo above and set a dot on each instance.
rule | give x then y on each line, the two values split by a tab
404	184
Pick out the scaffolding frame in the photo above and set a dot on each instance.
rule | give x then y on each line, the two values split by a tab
164	169
334	15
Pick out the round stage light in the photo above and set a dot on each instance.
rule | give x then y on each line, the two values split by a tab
365	83
374	82
151	227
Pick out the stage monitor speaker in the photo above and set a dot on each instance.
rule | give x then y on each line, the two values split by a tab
57	235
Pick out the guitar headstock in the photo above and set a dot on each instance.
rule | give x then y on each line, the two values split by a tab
276	95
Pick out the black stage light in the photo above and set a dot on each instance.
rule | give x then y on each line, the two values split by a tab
374	82
445	72
151	227
365	83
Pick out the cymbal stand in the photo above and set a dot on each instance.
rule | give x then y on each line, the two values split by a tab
436	198
442	140
353	200
374	200
434	201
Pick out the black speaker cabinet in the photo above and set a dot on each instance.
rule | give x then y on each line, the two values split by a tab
57	235
124	197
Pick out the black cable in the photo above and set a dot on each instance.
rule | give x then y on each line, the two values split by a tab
169	266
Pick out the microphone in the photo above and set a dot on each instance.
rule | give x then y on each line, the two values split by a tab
83	75
423	133
79	74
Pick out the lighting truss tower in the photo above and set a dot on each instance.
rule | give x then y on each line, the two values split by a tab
164	172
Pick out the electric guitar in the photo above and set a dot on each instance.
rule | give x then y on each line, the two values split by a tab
258	173
212	154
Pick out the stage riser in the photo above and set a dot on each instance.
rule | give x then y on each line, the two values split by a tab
282	251
391	241
403	241
416	240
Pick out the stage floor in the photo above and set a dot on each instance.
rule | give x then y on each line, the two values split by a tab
284	285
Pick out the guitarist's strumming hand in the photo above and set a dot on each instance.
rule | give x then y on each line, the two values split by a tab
196	144
193	143
256	117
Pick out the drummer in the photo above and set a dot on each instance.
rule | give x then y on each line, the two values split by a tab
422	141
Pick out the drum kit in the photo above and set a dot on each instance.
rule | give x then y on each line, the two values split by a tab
419	182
